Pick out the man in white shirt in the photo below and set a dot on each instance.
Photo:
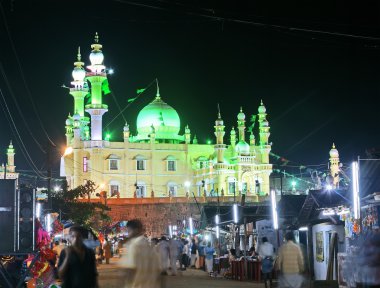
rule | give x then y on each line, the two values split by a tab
141	262
266	253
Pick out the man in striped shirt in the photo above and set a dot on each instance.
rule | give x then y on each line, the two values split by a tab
290	263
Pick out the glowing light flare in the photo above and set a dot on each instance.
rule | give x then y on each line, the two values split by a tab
355	189
329	187
170	231
68	151
217	221
274	210
49	227
328	212
38	210
303	228
191	225
207	237
235	213
111	71
56	188
187	184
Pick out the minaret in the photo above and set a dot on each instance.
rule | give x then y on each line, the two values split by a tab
233	138
96	76
241	125
195	140
265	147
219	134
11	159
334	165
187	134
69	130
126	132
252	140
79	91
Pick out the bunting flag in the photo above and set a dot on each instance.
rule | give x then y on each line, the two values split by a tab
139	91
130	100
105	87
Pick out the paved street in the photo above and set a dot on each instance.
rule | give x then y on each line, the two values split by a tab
109	276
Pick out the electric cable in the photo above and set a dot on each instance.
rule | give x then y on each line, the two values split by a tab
23	75
18	107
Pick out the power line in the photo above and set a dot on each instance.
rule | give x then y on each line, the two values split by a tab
253	23
22	73
18	107
134	99
18	137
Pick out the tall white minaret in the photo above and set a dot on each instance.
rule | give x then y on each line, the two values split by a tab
241	125
97	75
219	134
11	158
264	128
334	165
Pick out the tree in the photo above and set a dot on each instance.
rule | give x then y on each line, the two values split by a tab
73	206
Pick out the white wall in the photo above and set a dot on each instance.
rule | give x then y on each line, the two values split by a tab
320	268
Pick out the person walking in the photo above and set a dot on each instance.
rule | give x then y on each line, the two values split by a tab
193	250
76	265
163	251
266	254
173	254
201	256
290	263
107	251
141	264
185	255
209	251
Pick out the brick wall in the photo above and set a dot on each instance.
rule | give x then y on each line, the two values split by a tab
155	217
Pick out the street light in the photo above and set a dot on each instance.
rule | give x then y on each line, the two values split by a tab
217	220
274	210
191	225
38	210
355	189
235	213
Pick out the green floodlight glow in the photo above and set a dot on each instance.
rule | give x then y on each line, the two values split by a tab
294	183
208	142
108	136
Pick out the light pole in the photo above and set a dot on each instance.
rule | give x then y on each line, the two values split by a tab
187	186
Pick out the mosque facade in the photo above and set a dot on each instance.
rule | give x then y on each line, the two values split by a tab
157	160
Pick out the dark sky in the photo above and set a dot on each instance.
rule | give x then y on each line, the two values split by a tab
318	88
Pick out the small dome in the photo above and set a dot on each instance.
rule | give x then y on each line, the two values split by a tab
265	123
96	58
69	122
219	122
241	115
86	128
78	74
334	152
162	116
76	117
262	108
242	148
233	132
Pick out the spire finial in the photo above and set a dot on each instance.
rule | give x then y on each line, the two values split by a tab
261	103
78	55
219	117
96	37
333	147
241	109
158	90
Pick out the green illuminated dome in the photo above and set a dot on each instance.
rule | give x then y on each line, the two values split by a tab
242	148
163	117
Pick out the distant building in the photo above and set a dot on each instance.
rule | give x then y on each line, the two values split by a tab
157	161
8	170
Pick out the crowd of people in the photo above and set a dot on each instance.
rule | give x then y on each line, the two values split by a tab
145	262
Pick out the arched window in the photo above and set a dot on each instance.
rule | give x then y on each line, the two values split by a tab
171	163
140	162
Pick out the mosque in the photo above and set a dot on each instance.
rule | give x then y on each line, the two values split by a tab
158	161
8	171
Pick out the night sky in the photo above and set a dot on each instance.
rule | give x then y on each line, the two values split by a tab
317	88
